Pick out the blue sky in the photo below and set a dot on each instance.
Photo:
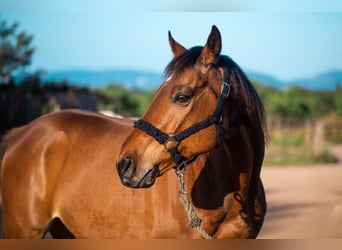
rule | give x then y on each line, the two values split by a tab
289	40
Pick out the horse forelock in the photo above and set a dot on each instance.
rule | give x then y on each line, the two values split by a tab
182	62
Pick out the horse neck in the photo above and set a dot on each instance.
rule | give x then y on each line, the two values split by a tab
211	178
228	168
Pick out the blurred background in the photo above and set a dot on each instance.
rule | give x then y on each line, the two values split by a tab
109	57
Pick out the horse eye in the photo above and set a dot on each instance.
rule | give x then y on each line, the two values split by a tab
181	98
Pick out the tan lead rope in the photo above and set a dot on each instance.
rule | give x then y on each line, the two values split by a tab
194	220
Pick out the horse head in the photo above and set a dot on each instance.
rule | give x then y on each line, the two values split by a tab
183	119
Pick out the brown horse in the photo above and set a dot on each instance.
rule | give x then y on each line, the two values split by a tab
208	119
58	172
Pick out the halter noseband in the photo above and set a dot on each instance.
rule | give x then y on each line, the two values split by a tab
171	142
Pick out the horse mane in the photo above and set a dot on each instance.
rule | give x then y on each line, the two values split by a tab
242	91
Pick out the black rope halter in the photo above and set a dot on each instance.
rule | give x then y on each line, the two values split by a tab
171	142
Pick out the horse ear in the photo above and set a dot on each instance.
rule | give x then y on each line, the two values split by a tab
212	49
177	49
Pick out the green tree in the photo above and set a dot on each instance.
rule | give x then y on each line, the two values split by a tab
124	101
338	99
15	48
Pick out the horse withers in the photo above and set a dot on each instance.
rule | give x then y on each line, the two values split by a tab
58	173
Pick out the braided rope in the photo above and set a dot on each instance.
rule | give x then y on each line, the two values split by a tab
194	220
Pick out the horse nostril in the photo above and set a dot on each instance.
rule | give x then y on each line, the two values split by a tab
126	167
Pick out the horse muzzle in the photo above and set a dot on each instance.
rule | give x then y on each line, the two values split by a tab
134	177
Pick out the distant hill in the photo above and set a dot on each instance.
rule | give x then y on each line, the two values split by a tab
265	79
146	80
326	80
323	81
133	79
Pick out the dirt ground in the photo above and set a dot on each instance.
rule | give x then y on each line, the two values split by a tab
303	202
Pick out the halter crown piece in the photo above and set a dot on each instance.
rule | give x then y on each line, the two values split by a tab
171	142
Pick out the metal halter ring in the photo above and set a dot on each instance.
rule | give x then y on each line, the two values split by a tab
171	140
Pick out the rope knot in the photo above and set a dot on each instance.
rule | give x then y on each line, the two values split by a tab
194	222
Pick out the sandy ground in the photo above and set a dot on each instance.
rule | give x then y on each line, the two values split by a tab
303	202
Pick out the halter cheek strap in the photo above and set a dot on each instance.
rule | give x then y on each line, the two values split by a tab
171	142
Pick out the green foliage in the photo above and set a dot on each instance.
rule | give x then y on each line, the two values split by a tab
304	158
333	131
290	149
298	103
288	111
15	48
287	141
123	101
338	100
